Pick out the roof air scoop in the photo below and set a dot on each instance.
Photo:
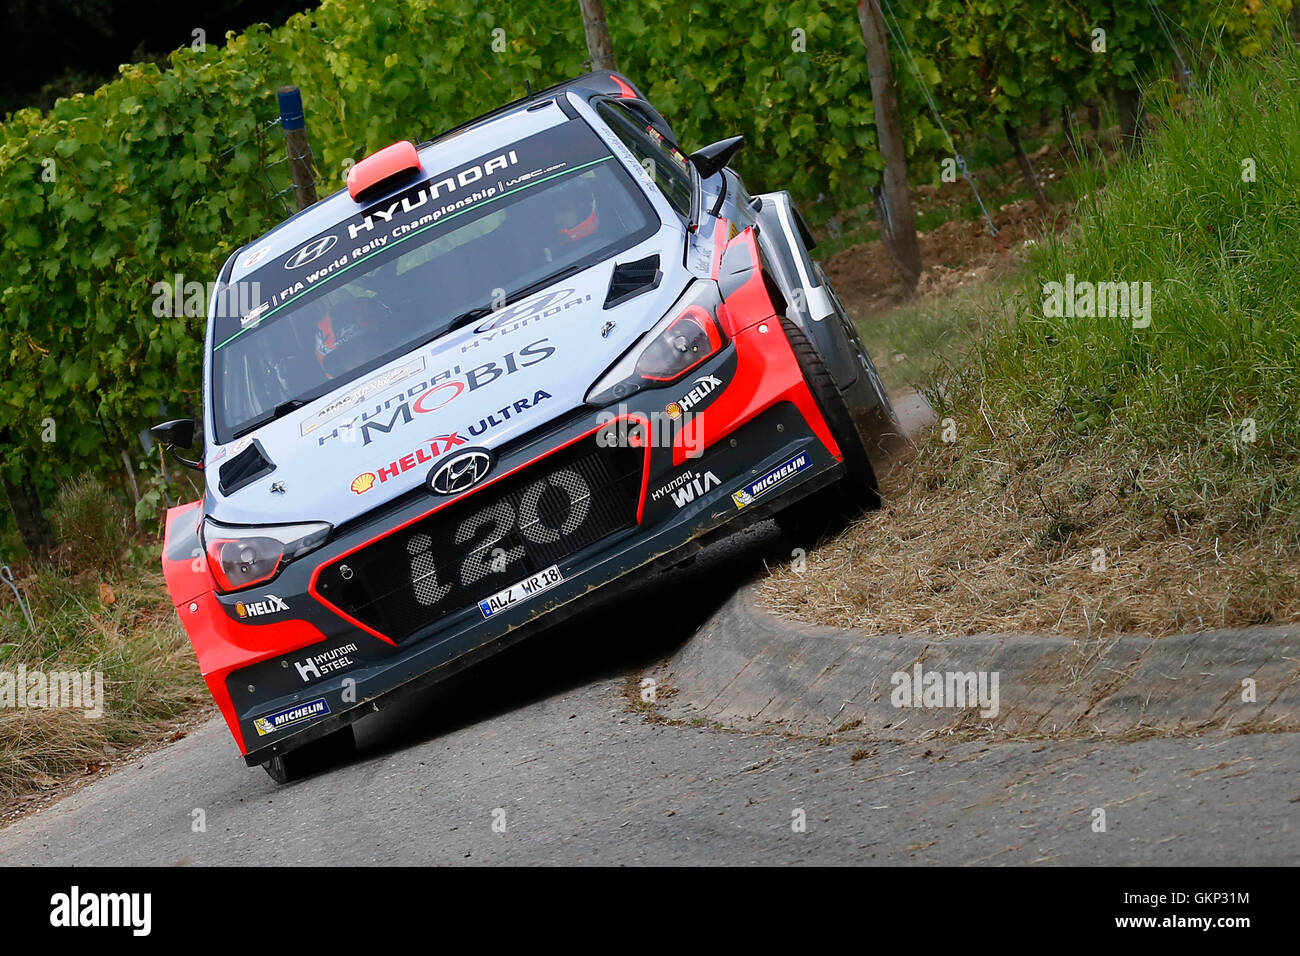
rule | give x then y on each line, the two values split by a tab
382	170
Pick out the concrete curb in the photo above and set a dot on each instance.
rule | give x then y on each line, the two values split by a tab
752	671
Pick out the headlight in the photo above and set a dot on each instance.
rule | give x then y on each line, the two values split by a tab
241	556
688	335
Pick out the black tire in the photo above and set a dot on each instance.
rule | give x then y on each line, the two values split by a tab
860	352
323	754
828	510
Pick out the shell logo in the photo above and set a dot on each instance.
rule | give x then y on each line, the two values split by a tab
240	609
674	410
363	483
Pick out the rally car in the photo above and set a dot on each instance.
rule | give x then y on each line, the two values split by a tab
498	371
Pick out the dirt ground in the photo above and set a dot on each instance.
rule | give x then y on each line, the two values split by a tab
960	251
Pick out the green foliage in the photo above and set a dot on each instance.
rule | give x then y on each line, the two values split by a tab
91	525
792	77
165	171
1246	27
1210	386
1007	59
1003	58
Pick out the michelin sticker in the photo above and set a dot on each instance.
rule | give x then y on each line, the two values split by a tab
291	715
755	489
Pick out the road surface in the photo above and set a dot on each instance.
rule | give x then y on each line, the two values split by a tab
535	758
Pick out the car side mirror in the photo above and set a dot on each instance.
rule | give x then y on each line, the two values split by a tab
714	157
704	163
174	434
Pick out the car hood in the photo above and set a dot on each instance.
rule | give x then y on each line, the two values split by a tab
381	434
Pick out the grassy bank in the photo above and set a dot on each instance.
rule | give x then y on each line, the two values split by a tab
100	607
1102	477
930	339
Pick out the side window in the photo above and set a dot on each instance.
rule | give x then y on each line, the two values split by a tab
666	164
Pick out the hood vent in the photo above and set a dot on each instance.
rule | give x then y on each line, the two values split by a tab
248	466
630	279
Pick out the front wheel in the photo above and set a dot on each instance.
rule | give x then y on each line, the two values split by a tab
828	510
323	754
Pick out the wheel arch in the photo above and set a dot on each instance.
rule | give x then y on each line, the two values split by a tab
810	303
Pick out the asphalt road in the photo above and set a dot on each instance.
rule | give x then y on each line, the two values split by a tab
534	758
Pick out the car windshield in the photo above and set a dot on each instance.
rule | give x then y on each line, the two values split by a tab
384	283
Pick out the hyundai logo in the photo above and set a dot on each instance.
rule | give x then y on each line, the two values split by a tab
311	252
461	473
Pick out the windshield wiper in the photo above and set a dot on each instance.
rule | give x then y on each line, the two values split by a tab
478	312
465	318
284	408
541	283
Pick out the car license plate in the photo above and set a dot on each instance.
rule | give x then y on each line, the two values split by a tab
521	591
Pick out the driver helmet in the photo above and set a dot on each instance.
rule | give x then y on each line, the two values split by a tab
339	333
574	203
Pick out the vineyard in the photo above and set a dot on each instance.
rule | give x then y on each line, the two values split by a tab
149	183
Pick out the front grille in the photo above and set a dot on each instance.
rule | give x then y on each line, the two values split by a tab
495	537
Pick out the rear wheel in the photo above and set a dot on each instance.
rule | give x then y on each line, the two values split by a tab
828	510
323	754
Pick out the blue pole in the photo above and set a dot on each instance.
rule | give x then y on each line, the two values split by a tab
291	114
294	122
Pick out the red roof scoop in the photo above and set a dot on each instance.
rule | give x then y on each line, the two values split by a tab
378	168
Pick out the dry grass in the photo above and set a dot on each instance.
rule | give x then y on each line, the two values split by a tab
123	627
1010	549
